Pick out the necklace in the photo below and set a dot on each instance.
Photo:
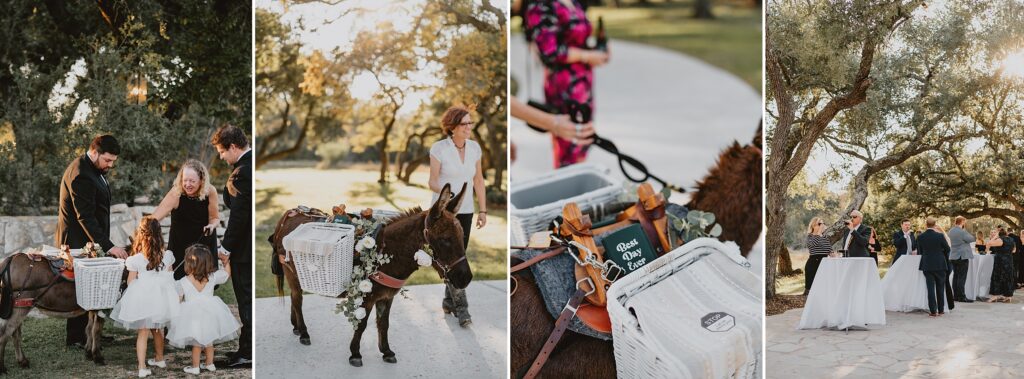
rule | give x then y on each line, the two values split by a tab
459	147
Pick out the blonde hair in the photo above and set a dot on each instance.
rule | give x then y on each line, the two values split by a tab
201	171
814	222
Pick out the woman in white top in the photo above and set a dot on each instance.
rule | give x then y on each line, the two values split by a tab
456	161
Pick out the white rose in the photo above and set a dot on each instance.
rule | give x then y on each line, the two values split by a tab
365	285
367	243
360	313
422	258
358	301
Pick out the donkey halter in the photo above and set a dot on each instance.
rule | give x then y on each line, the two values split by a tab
445	268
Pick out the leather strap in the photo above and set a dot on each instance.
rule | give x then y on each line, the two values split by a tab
648	226
556	335
537	258
387	280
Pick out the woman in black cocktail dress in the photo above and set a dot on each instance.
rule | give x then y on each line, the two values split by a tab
192	205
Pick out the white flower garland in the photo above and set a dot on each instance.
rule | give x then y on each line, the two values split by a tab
369	260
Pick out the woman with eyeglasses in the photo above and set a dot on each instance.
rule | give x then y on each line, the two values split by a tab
819	247
456	161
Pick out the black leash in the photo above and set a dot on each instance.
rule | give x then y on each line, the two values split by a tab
581	114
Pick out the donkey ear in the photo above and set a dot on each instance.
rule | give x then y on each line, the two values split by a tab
453	206
442	201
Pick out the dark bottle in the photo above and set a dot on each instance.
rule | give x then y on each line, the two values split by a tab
602	40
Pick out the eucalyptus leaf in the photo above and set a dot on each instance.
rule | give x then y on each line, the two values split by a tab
693	217
708	217
716	231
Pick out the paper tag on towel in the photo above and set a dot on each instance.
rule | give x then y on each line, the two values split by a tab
718	321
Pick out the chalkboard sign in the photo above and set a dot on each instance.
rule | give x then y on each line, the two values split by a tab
629	248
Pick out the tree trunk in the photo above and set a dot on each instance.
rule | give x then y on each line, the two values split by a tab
702	10
785	262
383	144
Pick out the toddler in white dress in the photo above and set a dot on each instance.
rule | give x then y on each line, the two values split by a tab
150	301
204	319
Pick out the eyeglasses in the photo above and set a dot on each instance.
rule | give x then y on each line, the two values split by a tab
466	124
821	223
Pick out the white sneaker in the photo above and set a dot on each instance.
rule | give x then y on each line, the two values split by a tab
144	372
192	370
207	367
154	362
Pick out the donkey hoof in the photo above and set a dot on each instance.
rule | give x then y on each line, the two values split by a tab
23	363
304	340
357	362
296	332
100	361
390	359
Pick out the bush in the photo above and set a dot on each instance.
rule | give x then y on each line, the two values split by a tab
44	138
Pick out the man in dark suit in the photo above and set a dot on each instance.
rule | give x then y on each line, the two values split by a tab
855	241
904	240
233	147
934	252
84	214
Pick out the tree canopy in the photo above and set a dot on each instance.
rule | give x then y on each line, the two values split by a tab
905	91
305	101
65	69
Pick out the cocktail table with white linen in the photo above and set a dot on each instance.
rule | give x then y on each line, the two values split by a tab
846	293
904	288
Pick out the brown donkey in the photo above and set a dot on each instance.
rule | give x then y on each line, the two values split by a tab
731	190
401	238
26	283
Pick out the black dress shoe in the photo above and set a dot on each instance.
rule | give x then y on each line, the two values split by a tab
966	301
76	345
239	361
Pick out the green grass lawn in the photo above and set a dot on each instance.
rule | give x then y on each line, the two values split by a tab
731	41
794	284
279	189
44	347
43	343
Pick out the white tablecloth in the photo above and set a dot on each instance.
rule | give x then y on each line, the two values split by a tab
979	276
846	292
904	287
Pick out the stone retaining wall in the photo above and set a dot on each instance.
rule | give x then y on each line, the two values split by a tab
26	233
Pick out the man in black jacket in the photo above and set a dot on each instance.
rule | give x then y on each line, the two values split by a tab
904	240
233	148
935	265
84	214
855	240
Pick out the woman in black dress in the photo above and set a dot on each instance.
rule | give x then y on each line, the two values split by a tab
1002	285
192	205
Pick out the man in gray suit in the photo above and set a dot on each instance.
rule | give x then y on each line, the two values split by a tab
962	250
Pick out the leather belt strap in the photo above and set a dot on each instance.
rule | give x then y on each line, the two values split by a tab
387	280
648	226
537	258
556	335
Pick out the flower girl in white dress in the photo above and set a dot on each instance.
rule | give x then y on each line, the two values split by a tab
151	301
204	319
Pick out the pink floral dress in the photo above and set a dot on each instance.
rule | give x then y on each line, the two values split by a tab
554	28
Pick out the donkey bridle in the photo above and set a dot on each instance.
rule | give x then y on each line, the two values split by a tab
444	268
393	282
